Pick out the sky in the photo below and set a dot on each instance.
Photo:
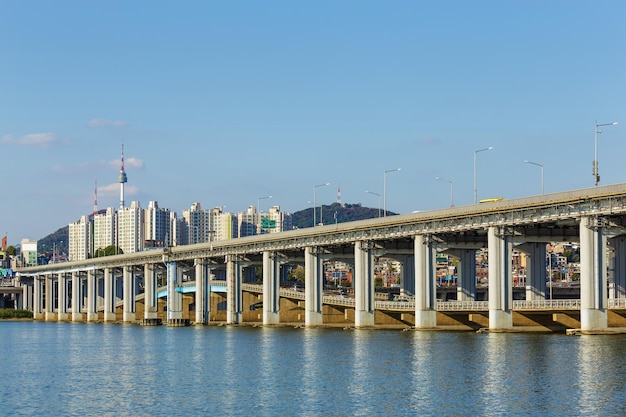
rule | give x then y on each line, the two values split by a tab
222	103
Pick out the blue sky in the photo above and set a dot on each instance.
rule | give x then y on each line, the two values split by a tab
225	102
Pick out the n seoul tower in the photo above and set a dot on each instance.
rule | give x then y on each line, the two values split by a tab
122	179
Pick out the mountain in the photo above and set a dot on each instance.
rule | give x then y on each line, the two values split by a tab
335	213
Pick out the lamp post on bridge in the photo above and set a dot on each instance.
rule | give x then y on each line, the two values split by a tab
596	175
259	207
541	166
385	188
451	189
315	187
376	194
475	186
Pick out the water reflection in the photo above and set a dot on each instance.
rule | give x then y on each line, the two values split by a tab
88	369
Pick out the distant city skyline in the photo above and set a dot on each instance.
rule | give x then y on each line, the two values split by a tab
223	104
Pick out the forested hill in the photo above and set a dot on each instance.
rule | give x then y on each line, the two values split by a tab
335	213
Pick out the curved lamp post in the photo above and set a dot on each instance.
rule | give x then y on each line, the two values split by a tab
385	189
596	174
451	189
475	186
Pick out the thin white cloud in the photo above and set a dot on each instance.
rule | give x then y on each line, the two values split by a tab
128	162
33	139
114	189
99	122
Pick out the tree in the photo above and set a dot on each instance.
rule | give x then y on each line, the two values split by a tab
108	251
11	251
297	274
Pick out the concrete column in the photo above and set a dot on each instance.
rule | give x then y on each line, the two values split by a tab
27	296
92	307
425	280
49	304
535	270
38	298
77	303
363	285
150	292
203	292
233	290
618	261
129	295
109	295
500	279
271	288
593	296
62	288
174	298
407	274
466	273
313	287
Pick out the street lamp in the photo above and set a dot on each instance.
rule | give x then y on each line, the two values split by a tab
259	207
596	175
541	166
385	189
475	187
376	194
451	189
315	187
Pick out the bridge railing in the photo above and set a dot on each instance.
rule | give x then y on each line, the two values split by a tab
546	305
463	306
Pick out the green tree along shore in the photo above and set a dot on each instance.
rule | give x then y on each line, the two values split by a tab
9	313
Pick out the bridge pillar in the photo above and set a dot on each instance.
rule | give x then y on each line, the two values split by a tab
49	304
364	306
406	274
500	279
593	297
233	290
466	273
174	298
38	298
535	253
129	295
150	292
271	287
313	286
203	292
109	295
92	307
62	288
425	277
618	260
27	296
77	303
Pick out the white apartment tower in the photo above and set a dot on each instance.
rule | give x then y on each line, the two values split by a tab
248	222
276	221
79	239
104	230
223	225
157	226
130	229
198	223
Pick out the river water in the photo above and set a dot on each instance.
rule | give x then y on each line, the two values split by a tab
78	369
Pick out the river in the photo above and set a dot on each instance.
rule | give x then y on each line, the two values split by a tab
80	369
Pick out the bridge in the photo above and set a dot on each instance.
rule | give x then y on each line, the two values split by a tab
593	217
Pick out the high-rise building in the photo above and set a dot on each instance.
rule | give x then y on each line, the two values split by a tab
198	224
157	226
247	223
104	230
79	239
223	225
275	221
28	249
130	228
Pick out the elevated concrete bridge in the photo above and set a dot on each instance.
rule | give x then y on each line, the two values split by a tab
594	217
